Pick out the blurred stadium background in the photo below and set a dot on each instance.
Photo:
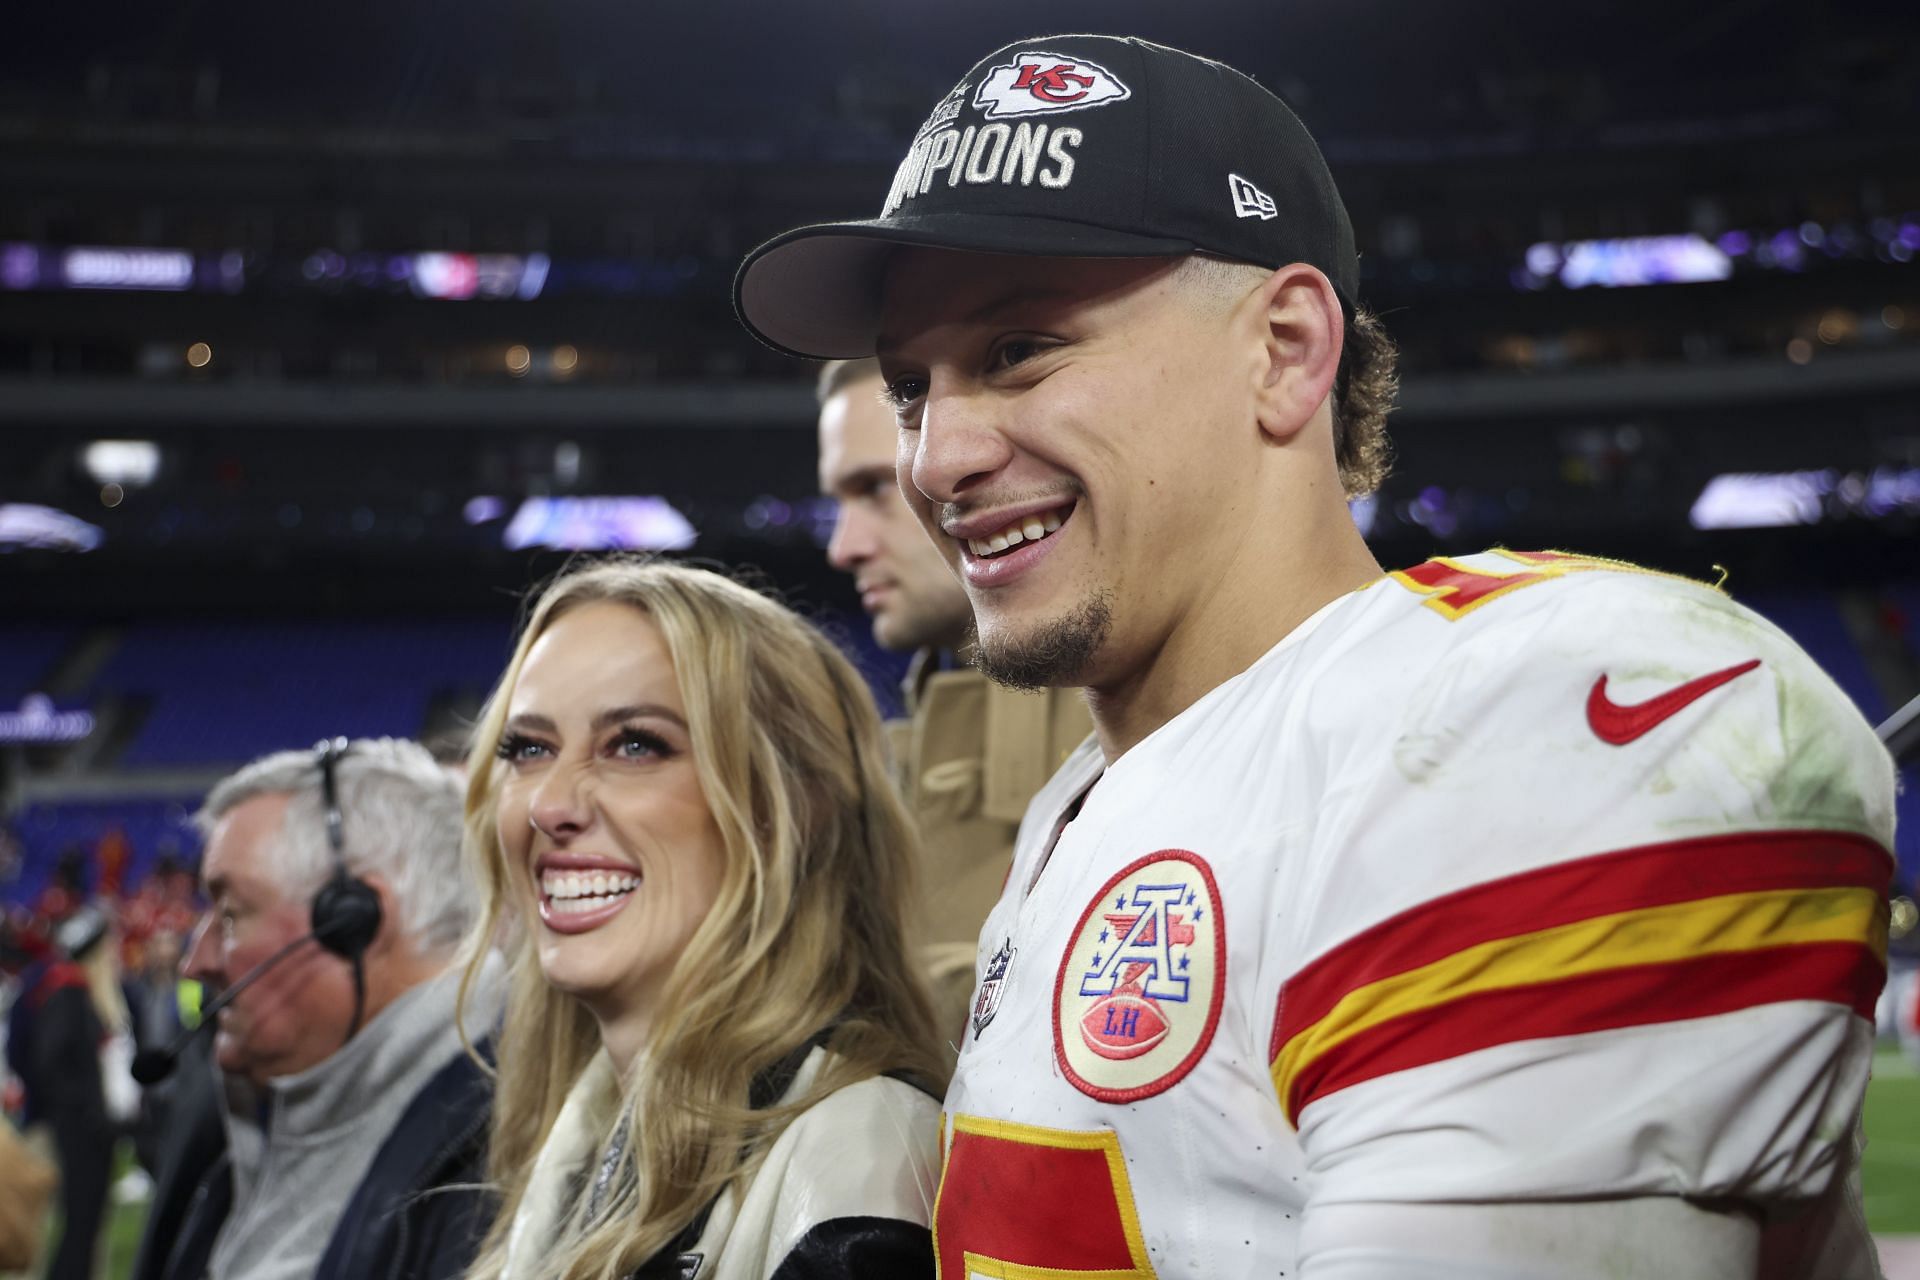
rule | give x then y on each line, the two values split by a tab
324	331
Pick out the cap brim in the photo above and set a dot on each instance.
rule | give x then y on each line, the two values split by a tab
815	291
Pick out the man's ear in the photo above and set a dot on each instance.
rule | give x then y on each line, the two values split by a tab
1301	328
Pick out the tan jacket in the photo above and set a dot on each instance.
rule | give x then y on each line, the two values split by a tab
970	755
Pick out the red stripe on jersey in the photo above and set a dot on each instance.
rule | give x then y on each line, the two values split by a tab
1835	972
1581	889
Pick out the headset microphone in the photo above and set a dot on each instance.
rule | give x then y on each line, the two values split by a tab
150	1066
345	918
346	912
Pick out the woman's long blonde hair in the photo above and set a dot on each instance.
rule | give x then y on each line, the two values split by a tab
807	932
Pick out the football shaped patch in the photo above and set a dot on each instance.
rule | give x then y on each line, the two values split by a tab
1140	987
1123	1026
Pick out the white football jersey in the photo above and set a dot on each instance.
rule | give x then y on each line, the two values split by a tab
1510	877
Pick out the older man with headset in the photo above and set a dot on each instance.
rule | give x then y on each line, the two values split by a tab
338	898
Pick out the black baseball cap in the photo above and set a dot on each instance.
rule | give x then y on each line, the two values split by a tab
1071	146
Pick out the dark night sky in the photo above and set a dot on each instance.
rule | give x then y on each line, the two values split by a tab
725	69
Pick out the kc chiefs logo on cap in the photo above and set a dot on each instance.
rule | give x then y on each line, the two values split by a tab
1034	83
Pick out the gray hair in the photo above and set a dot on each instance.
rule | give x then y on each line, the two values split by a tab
401	818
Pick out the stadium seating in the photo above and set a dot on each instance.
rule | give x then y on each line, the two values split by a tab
27	654
222	693
151	827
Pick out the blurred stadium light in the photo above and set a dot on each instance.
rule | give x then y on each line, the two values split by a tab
597	524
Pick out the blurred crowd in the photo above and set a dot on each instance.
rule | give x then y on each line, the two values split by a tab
151	916
90	977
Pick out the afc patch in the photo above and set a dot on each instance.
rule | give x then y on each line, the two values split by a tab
1140	986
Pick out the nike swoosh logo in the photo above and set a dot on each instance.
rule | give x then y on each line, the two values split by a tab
1620	725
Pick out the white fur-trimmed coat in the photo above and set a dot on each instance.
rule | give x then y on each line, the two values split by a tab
846	1189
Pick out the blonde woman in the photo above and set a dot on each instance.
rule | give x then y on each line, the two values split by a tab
718	1060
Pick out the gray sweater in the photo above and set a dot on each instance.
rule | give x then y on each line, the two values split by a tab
299	1152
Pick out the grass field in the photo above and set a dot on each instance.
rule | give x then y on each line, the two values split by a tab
123	1240
1890	1173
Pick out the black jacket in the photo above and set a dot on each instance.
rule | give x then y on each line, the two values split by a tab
419	1214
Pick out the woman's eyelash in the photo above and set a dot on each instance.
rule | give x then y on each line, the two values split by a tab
518	746
646	738
512	745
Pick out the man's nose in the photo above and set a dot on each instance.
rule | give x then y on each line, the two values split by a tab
852	542
959	443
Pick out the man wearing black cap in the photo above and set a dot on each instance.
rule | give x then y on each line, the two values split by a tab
1516	914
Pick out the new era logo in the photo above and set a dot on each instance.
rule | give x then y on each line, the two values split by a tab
1250	201
1041	82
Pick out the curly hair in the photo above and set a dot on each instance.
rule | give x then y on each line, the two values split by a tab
1364	384
1364	387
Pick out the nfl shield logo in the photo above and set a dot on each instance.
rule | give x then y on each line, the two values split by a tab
987	1003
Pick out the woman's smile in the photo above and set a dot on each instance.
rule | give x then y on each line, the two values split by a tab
580	892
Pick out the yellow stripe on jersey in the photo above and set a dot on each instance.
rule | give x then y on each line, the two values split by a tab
1653	934
1649	936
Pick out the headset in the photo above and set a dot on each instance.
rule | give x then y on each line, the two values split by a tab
344	918
346	914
